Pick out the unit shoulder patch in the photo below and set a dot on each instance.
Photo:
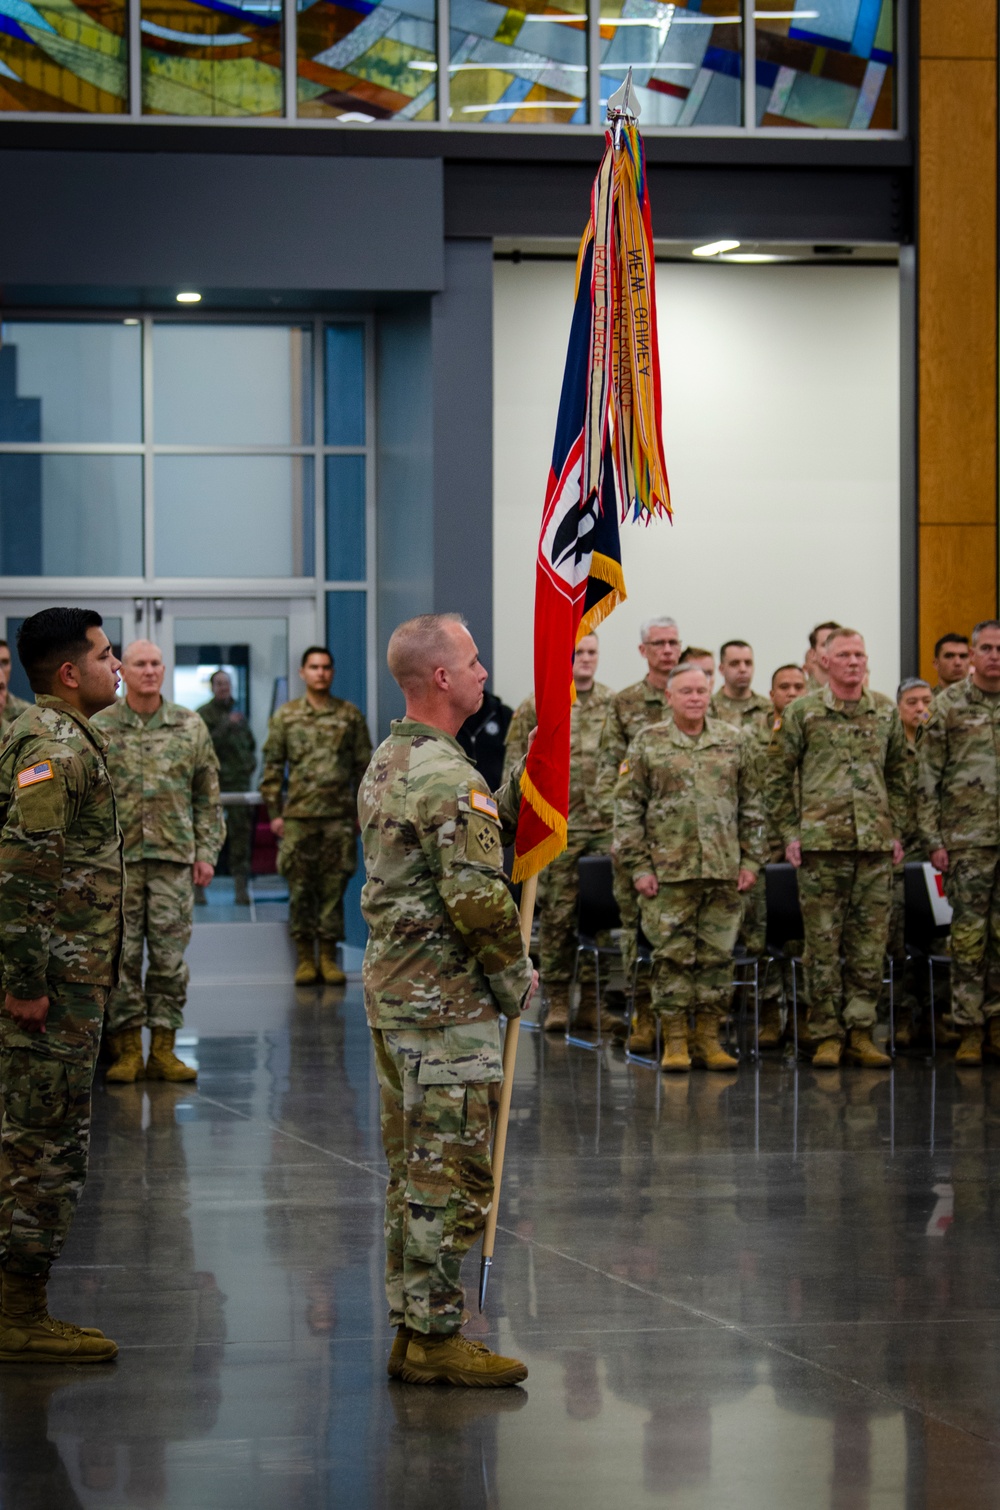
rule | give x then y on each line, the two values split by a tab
33	774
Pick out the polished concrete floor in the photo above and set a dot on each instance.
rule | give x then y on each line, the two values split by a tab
775	1290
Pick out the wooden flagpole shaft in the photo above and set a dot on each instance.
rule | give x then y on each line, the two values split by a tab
528	891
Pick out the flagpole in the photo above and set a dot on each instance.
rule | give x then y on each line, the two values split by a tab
527	914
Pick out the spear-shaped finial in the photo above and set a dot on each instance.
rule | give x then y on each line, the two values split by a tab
622	106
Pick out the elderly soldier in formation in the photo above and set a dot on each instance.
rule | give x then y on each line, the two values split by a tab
324	743
444	959
951	661
959	809
15	705
166	781
588	834
736	702
815	670
689	826
633	710
61	924
913	701
842	831
236	751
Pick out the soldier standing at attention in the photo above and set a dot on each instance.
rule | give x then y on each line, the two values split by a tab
15	705
6	715
736	702
689	832
236	751
588	834
914	701
444	959
324	743
697	655
959	811
633	710
951	661
61	924
813	665
843	835
166	781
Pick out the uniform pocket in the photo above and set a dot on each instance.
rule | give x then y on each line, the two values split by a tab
36	1088
465	1054
427	1198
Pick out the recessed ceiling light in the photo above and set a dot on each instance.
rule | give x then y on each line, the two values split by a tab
713	248
191	298
754	257
130	322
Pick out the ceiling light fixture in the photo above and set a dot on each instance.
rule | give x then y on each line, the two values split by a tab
130	322
713	248
189	297
753	257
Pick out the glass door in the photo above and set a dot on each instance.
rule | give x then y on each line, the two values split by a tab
123	618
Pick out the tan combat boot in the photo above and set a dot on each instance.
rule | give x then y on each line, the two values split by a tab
611	1026
861	1050
676	1058
970	1050
397	1357
163	1063
642	1038
827	1055
557	1009
328	967
769	1027
991	1048
708	1052
28	1334
306	973
126	1047
458	1360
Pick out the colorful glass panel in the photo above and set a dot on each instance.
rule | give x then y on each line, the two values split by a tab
57	56
525	66
826	64
211	58
367	62
687	60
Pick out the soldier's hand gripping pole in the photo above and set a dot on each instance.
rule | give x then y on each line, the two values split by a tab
503	1115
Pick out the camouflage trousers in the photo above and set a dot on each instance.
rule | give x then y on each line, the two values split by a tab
557	929
846	897
239	840
45	1079
159	912
439	1090
692	927
628	906
972	885
318	856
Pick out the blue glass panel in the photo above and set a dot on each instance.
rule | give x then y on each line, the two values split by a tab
234	516
345	518
344	365
74	381
70	516
346	635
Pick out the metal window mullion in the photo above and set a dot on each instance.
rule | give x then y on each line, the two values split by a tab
594	60
148	499
291	29
749	67
70	448
221	450
319	480
134	43
444	61
371	532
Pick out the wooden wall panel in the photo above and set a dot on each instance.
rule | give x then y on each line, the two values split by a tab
958	29
958	577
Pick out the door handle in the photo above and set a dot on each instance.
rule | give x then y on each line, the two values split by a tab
139	604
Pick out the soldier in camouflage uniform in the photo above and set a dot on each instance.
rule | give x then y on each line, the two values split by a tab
61	926
633	710
689	832
236	751
959	820
787	683
7	714
588	835
444	959
816	677
913	703
324	743
15	705
951	661
166	780
843	835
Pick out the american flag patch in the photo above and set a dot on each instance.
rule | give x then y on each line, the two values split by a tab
483	804
35	773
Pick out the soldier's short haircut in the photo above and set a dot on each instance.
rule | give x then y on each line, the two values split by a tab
842	633
221	672
908	683
791	666
418	646
815	633
664	622
317	650
695	653
48	639
4	645
590	635
686	671
946	639
983	624
734	645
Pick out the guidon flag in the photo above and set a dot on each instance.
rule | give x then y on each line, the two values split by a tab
607	465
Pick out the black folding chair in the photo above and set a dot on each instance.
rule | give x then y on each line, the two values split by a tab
597	913
784	923
643	958
922	936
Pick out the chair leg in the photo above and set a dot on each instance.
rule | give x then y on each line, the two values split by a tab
597	997
892	1007
930	970
795	1013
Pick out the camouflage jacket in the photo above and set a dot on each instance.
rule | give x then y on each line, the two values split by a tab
233	742
444	943
852	771
913	846
754	713
632	710
959	781
61	857
587	719
15	707
166	781
326	753
689	808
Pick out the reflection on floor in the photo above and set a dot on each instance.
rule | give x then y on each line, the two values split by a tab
776	1290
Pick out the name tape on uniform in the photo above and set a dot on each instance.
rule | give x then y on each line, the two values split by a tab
483	804
41	772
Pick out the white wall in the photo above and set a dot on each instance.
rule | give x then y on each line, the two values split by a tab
780	420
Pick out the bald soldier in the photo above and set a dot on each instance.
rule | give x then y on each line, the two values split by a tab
444	960
166	780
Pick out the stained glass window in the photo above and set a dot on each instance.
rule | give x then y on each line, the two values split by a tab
525	66
826	63
55	55
686	59
211	58
367	62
